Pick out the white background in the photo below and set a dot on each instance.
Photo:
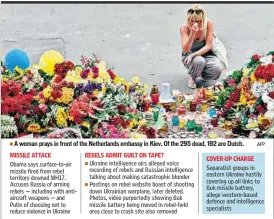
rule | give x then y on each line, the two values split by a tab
187	156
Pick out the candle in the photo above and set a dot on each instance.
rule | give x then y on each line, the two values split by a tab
193	106
212	135
191	125
212	111
198	128
181	110
214	121
181	123
209	94
155	95
228	125
204	106
175	120
180	98
155	114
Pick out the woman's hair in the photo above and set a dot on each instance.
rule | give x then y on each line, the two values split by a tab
197	16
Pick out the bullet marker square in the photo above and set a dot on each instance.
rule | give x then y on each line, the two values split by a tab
86	163
86	184
11	144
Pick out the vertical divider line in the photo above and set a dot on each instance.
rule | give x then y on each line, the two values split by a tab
81	183
198	183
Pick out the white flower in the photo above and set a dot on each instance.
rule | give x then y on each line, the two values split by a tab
266	59
258	89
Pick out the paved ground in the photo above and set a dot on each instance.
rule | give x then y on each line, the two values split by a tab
135	39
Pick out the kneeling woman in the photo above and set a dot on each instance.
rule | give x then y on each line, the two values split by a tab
203	66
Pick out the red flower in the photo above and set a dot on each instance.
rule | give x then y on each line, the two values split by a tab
95	69
121	108
62	68
70	65
70	85
116	121
111	74
58	79
151	133
259	71
56	94
256	57
44	85
10	88
271	94
84	73
260	109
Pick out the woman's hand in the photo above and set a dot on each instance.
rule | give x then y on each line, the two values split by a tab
194	28
188	59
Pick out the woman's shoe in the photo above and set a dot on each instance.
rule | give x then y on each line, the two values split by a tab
191	83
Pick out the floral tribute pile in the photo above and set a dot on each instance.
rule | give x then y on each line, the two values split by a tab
85	100
90	101
248	94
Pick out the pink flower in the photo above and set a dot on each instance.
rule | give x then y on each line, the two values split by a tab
43	107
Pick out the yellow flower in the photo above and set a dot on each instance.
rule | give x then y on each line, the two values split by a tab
99	80
104	89
47	92
86	124
73	76
34	128
245	71
242	100
78	70
135	80
123	80
19	70
145	87
251	102
117	80
61	117
142	122
252	77
127	86
261	81
67	96
263	120
36	98
4	79
70	118
104	75
133	123
95	92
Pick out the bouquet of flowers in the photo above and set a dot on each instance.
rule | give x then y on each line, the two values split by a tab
87	97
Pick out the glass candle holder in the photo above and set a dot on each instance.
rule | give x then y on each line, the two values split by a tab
173	107
193	106
228	125
214	121
191	125
209	94
155	113
182	123
204	106
175	120
212	111
180	98
155	98
181	110
212	135
198	128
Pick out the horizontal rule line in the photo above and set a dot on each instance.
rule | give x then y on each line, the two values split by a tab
135	2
